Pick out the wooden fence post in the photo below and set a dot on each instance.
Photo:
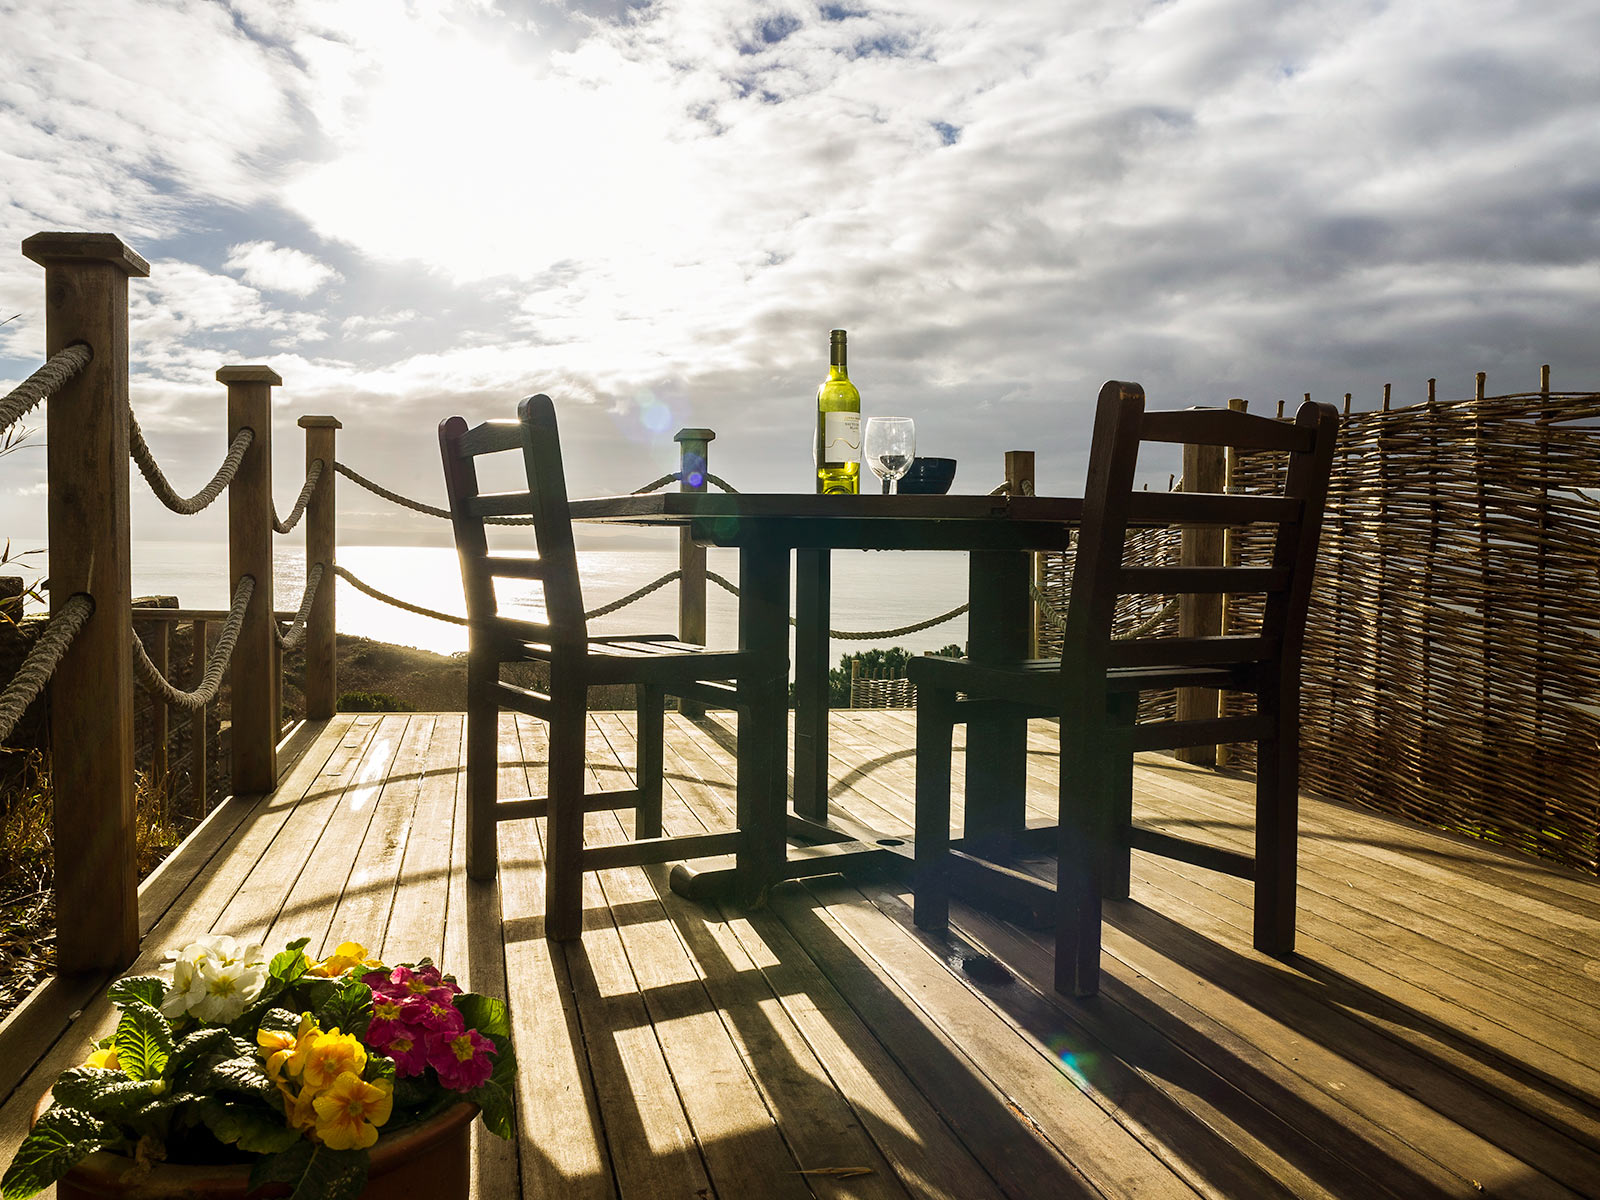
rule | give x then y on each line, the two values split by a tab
321	645
91	693
1200	615
1019	482
1230	557
255	655
693	452
200	726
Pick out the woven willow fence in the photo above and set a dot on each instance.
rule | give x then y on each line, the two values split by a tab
1452	668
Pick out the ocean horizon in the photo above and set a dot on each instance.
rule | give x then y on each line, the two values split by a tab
872	590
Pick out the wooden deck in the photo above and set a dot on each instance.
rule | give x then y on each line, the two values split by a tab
1439	1033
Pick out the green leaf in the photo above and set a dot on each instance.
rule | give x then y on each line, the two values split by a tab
242	1074
349	1010
291	963
77	1087
279	1020
147	988
316	1172
62	1138
210	1039
143	1041
494	1095
487	1015
332	1175
120	1097
248	1126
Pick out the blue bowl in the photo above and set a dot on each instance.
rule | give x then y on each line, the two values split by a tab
928	477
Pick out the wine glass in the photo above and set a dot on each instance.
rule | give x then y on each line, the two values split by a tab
890	445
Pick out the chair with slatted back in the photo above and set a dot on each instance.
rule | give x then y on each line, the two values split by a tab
1095	685
657	665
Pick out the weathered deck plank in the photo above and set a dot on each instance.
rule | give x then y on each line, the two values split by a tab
1436	1034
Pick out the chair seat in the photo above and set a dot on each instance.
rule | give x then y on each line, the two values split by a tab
1036	682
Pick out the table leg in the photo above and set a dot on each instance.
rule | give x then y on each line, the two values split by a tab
762	775
997	631
811	603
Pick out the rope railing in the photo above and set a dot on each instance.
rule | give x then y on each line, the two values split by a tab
62	366
433	510
844	635
165	492
290	639
41	661
216	663
369	590
303	499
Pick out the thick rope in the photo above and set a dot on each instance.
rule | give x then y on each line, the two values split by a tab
377	489
299	509
291	638
677	475
843	635
164	490
63	365
41	661
388	599
216	663
631	596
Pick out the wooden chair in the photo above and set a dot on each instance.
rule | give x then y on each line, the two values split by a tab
1094	687
656	664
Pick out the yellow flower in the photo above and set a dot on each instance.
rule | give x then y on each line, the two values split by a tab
297	1109
349	954
276	1046
330	1056
350	1111
106	1059
305	1040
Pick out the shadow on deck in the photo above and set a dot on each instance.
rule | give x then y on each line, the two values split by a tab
1436	1035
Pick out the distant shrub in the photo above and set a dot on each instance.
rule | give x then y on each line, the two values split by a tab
372	702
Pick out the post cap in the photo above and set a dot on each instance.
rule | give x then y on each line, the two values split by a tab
256	374
309	422
694	435
48	248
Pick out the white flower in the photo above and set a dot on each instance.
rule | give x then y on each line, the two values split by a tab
214	978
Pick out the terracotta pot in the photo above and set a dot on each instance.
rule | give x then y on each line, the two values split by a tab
430	1160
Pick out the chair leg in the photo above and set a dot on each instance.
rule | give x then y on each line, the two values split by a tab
1123	712
648	763
1277	835
483	768
935	730
564	837
1087	777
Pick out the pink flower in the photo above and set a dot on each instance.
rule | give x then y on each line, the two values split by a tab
462	1059
389	1022
409	1051
435	1013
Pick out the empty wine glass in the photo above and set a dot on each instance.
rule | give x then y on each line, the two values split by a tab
890	445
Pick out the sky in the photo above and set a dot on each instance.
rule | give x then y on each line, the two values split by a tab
655	212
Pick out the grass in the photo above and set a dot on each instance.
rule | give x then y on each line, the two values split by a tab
27	867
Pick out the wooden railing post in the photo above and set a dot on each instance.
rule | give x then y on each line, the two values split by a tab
693	454
1230	557
255	655
91	693
1020	482
1204	470
321	653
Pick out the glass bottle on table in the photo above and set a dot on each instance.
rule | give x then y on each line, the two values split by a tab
837	449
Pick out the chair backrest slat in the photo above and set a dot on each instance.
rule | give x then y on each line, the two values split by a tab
534	434
1210	508
1224	427
1174	581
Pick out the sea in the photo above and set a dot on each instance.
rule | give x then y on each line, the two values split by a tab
871	591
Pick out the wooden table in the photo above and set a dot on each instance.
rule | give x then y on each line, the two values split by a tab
998	532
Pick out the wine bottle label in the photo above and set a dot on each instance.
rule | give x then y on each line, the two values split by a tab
841	437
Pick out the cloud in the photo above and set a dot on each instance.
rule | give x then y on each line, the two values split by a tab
665	207
279	268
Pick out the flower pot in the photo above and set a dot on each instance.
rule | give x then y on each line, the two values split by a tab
431	1160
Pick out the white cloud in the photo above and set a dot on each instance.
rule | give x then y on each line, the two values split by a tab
279	268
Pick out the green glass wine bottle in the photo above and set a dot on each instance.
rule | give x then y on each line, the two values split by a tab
837	451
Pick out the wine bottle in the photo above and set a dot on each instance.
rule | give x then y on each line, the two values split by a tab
837	451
